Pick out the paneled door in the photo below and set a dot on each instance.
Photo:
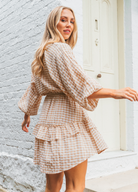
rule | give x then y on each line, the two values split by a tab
100	60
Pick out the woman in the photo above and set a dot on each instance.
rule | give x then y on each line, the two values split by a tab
65	136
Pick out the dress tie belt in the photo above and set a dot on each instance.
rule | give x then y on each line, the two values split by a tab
55	94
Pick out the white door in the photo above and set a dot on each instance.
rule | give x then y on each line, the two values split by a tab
101	58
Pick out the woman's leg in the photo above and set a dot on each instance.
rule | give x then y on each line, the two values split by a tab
75	178
54	182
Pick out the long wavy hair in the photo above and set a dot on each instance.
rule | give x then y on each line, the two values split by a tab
52	35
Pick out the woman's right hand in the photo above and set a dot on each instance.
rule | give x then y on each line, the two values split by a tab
25	122
125	93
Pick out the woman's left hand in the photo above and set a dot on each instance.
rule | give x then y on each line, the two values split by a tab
25	122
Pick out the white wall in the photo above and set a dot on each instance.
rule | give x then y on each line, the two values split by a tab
131	61
22	26
134	8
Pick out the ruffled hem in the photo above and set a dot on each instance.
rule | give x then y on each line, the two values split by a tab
61	147
43	169
61	155
63	131
56	132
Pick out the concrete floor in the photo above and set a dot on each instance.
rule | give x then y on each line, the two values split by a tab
120	182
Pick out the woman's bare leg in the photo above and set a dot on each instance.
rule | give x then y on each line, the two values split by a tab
75	178
54	182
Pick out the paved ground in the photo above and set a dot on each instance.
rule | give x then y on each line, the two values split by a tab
120	182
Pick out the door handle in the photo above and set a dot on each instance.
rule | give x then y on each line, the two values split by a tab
99	75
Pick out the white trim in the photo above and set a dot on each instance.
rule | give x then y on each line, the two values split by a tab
111	155
121	72
108	163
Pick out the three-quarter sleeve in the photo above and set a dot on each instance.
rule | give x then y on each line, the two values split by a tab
31	99
72	79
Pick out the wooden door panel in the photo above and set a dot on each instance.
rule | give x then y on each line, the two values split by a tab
101	57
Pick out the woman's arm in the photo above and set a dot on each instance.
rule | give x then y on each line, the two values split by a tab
125	93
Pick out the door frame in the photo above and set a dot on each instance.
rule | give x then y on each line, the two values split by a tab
121	72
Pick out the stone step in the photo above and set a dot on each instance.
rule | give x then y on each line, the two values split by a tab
119	182
130	188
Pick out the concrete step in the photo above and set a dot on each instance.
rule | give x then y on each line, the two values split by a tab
130	188
119	182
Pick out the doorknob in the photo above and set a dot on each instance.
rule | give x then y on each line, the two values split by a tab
99	75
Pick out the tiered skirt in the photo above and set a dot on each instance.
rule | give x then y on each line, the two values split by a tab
62	147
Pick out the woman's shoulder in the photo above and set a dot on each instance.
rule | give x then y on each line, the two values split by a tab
59	46
58	49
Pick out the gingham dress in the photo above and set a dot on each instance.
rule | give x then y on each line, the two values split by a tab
64	135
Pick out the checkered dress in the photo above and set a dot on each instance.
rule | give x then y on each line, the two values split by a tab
64	135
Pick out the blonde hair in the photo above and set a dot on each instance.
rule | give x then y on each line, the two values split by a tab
52	35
